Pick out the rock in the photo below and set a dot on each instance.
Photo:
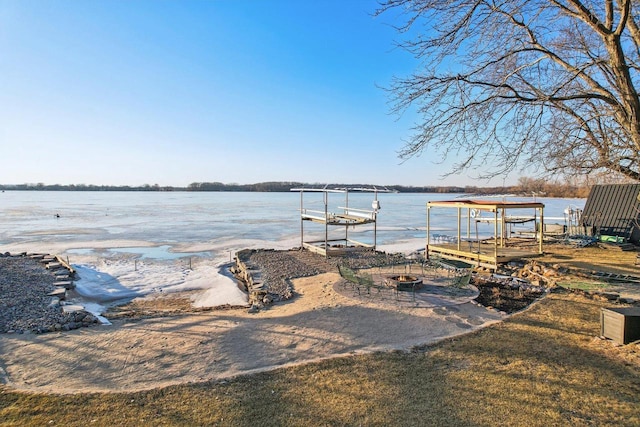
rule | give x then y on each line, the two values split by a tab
72	308
58	292
610	296
253	309
89	319
288	294
65	284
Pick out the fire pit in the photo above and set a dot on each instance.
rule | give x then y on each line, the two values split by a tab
404	282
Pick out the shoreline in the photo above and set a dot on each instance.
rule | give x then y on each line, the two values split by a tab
143	352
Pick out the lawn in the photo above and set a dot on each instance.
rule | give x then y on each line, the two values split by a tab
545	366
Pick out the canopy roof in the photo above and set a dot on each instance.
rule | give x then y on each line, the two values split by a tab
485	204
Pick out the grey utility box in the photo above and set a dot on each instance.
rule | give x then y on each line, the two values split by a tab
621	325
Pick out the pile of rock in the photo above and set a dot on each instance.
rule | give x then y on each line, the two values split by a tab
538	274
33	289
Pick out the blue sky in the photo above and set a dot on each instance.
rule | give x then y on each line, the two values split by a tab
173	92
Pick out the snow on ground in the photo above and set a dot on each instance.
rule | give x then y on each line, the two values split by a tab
114	278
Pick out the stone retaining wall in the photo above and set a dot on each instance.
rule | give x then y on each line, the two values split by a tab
251	276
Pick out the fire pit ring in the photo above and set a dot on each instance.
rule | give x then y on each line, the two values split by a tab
404	282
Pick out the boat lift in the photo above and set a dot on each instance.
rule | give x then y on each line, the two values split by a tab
345	217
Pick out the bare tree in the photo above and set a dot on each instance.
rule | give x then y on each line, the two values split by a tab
506	84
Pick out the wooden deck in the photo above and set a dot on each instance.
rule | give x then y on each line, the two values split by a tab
484	254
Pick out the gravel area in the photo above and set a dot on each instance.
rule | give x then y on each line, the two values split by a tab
278	267
24	303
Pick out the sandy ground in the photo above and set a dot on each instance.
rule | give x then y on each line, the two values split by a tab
322	321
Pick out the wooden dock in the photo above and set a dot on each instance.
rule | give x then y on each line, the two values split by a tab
501	248
482	254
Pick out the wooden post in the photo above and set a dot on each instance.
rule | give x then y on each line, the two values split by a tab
495	235
502	229
301	221
65	264
346	227
459	226
426	253
326	224
541	230
375	223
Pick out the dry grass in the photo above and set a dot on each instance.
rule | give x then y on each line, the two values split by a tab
601	257
544	366
160	306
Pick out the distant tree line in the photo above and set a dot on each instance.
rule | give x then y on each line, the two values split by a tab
86	187
261	186
526	187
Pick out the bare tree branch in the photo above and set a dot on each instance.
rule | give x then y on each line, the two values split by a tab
510	83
